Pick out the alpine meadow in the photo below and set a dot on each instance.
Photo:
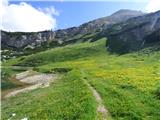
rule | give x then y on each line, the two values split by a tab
104	69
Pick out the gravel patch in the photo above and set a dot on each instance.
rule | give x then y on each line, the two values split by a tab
37	80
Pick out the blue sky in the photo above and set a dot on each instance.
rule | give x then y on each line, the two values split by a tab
32	15
75	13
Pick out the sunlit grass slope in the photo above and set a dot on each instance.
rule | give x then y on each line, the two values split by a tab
128	84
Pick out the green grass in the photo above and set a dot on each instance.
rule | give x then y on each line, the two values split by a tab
128	84
67	53
8	79
5	76
68	98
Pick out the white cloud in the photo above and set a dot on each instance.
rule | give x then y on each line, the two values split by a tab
50	10
138	1
24	17
153	5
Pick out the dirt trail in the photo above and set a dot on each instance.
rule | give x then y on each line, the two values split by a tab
101	110
35	79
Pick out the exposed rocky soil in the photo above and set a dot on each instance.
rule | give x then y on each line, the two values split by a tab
36	80
102	112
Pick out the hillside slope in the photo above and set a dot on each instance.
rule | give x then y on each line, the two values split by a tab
128	84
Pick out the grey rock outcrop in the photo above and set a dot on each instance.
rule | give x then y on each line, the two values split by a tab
134	34
21	39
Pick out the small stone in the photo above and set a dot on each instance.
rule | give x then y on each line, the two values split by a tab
24	119
13	114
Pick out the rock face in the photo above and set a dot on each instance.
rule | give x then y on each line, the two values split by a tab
134	34
21	40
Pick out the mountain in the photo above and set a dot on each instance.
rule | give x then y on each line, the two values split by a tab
64	36
83	81
134	34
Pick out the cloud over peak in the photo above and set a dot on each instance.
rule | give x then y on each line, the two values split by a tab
24	17
153	5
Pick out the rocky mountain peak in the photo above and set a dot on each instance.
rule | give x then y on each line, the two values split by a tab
127	12
124	14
